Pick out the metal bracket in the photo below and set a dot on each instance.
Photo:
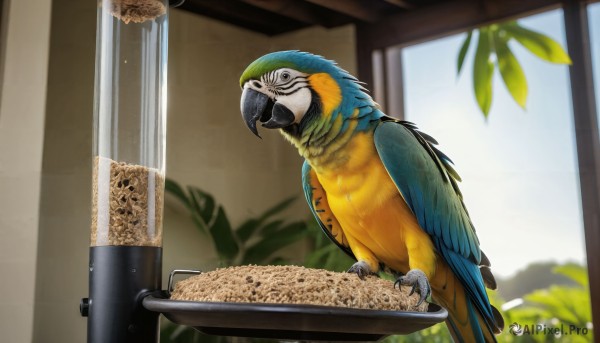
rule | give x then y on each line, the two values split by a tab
179	271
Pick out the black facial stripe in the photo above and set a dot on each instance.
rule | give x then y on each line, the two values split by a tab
292	81
280	93
296	78
271	78
268	77
292	85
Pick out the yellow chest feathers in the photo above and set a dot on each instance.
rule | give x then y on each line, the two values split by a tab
359	184
370	209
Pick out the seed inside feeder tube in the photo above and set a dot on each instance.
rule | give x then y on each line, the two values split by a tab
137	11
127	204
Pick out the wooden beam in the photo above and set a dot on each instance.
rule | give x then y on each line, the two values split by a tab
400	3
355	8
289	8
394	83
364	56
244	15
302	11
378	90
588	141
446	18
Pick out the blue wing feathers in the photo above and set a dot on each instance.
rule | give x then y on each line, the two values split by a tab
463	243
423	176
419	204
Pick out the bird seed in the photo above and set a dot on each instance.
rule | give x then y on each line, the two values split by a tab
127	204
137	11
296	285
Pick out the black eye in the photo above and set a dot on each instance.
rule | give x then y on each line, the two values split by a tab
285	76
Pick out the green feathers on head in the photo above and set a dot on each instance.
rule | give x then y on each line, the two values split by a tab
354	95
301	61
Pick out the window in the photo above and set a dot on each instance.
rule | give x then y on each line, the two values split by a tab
519	166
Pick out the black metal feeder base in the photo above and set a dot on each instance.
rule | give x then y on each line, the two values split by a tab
120	278
296	322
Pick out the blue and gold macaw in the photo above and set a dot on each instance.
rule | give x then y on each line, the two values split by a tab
379	188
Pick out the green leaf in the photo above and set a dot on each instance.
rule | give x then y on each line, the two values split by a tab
315	257
264	248
203	203
574	272
271	228
328	257
277	208
560	301
222	235
278	261
483	70
200	224
174	188
249	227
246	230
510	69
539	44
463	52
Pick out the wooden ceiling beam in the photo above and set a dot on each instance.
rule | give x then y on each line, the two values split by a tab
355	8
400	3
303	11
290	8
244	15
446	18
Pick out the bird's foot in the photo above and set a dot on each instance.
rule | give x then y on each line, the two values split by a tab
418	280
361	268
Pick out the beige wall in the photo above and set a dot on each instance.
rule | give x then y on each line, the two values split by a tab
65	198
21	139
208	146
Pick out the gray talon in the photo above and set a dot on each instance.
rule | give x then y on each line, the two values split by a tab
360	268
418	281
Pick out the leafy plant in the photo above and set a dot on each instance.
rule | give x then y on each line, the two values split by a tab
536	275
323	253
258	240
550	306
493	50
436	334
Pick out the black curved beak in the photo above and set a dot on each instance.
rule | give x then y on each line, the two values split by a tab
253	105
257	106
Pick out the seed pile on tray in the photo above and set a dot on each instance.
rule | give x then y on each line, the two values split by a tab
295	285
127	204
137	11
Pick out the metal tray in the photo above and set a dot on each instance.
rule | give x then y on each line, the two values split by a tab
296	322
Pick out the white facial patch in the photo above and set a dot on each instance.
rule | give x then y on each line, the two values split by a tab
298	102
287	87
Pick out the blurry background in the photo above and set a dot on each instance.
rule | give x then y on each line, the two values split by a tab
519	167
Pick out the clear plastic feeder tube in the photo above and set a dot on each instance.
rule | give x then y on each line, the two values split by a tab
129	123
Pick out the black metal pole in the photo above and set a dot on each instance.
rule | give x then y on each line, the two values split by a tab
120	278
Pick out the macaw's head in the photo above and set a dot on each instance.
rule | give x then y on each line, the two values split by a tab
291	90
